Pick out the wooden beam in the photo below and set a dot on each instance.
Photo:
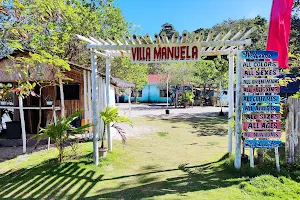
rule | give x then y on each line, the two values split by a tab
230	101
28	108
108	101
85	99
89	103
184	37
202	43
149	39
238	111
62	98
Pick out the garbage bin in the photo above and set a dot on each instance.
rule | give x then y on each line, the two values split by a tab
13	130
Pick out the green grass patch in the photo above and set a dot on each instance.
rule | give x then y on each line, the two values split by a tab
184	166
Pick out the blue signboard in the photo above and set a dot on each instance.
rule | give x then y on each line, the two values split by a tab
262	98
256	109
262	143
259	55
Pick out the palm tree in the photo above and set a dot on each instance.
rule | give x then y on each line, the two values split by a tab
110	117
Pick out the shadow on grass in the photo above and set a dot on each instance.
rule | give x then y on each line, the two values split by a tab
202	126
50	180
46	181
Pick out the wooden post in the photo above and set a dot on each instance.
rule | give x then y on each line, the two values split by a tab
90	104
54	120
22	123
129	102
251	158
277	159
292	145
108	100
62	98
230	101
85	100
238	111
99	108
168	91
102	104
95	112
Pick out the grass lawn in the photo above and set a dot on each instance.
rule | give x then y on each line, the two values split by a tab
169	159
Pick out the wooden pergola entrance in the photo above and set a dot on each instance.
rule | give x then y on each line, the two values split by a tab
209	45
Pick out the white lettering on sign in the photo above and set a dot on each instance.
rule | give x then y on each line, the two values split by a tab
260	64
261	81
261	125
262	134
261	116
261	72
266	89
155	53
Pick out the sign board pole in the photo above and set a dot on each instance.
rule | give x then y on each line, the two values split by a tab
238	111
251	158
230	100
277	159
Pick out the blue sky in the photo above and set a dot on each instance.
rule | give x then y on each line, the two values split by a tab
189	14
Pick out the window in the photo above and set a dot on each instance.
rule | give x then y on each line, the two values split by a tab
140	92
71	92
163	93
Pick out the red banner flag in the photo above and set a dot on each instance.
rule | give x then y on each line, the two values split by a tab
279	30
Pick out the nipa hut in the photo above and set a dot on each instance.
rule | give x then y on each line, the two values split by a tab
67	97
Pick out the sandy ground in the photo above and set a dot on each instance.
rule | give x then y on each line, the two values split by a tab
158	110
137	110
145	110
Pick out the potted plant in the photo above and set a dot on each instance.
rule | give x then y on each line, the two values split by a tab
110	117
49	101
61	131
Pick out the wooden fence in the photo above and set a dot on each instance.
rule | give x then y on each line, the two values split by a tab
292	146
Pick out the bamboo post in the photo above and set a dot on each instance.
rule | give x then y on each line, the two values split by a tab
85	100
238	111
108	100
230	101
22	123
94	104
62	98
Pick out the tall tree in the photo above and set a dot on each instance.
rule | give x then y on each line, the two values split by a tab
51	26
134	73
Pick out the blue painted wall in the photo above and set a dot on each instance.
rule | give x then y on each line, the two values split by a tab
150	94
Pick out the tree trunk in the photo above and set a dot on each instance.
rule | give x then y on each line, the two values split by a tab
102	139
